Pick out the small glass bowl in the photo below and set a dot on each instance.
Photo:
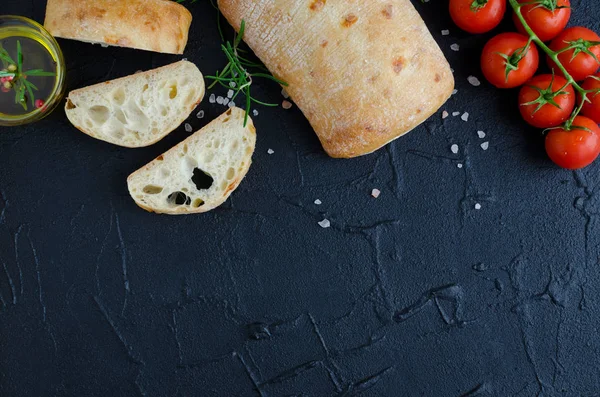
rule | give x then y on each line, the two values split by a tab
17	26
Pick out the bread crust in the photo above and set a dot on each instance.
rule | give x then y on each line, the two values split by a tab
362	72
153	25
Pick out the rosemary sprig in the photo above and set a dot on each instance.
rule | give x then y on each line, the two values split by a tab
237	74
13	77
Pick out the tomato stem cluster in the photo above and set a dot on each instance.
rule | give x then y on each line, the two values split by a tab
554	56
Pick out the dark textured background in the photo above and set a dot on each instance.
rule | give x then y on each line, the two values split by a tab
416	293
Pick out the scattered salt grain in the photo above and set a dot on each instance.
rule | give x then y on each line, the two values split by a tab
375	193
445	32
286	105
212	98
452	70
474	81
230	94
465	116
225	101
454	148
318	202
255	112
455	114
459	165
325	223
232	84
200	114
485	145
455	47
444	114
477	206
454	91
284	93
220	100
231	104
270	151
481	134
188	127
184	59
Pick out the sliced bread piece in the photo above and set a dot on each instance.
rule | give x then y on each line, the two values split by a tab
201	172
138	110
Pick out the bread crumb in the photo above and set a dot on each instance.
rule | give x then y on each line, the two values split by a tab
270	151
286	105
454	148
284	93
376	193
444	114
455	47
318	202
325	223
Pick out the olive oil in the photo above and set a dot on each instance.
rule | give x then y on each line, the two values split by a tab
31	71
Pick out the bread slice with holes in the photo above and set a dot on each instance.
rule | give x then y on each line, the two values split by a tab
138	110
201	172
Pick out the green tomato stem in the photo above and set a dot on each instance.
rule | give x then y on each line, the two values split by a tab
554	56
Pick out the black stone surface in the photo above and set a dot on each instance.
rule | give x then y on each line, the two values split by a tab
416	293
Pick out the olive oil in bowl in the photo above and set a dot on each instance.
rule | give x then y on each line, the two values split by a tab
32	71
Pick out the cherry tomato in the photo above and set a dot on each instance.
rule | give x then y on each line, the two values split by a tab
592	109
582	65
477	16
576	148
546	101
507	52
545	23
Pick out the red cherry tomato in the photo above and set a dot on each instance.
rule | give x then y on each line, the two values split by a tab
539	96
545	23
523	64
582	65
591	109
576	148
477	16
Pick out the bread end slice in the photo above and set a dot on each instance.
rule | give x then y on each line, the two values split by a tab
201	172
137	110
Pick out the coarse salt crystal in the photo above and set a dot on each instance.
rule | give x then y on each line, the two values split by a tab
477	206
445	32
231	104
270	151
375	193
465	116
454	148
325	223
481	134
455	114
220	100
485	145
318	202
255	112
200	114
459	165
230	94
225	101
454	91
474	81
188	127
452	70
455	47
286	105
284	93
232	84
444	114
212	98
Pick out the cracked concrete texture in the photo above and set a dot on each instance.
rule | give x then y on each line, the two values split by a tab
415	293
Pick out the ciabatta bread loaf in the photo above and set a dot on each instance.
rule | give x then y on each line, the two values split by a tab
363	72
153	25
140	109
201	172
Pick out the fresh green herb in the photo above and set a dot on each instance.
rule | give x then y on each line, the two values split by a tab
12	77
238	75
